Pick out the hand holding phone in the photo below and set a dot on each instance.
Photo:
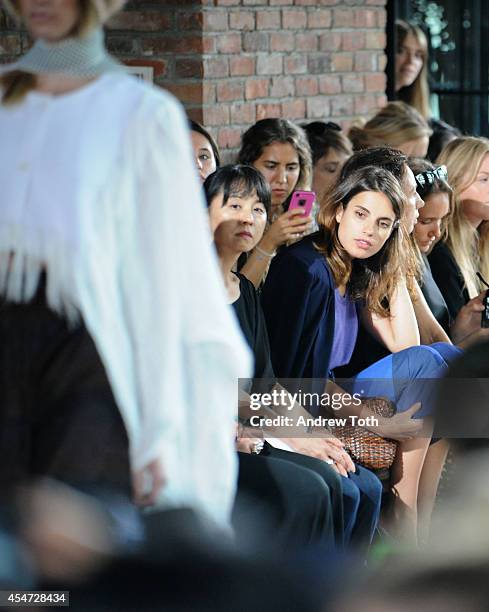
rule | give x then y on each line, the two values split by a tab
302	200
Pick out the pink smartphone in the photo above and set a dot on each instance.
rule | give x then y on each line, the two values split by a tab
302	200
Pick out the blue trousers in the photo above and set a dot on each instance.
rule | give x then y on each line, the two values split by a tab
408	376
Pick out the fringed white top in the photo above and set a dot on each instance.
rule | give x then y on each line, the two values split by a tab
98	187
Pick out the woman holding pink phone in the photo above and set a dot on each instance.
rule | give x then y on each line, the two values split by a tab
280	151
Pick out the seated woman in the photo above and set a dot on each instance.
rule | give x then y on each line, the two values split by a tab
397	125
330	149
309	300
412	67
456	259
279	150
238	199
431	309
206	151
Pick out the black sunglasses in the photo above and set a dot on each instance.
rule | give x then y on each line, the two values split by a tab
423	179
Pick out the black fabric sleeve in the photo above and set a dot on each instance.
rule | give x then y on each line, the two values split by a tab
297	306
448	277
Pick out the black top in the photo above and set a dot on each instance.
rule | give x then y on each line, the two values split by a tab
448	276
252	322
434	297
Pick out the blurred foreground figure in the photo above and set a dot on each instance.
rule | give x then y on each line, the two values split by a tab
450	574
94	549
98	320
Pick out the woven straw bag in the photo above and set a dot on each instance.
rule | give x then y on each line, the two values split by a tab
366	447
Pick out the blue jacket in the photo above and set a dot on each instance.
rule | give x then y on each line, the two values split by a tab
298	301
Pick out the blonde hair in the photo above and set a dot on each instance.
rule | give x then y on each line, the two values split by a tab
418	93
374	279
16	84
463	158
392	126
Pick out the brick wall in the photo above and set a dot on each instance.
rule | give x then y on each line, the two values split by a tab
232	62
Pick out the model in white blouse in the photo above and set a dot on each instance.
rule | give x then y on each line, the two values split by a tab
98	186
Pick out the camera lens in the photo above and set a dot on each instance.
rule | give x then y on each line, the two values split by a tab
302	202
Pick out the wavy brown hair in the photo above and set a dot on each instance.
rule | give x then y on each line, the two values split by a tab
418	93
267	131
372	280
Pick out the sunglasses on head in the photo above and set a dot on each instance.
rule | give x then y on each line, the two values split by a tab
423	179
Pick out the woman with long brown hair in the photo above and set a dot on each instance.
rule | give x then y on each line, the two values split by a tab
310	301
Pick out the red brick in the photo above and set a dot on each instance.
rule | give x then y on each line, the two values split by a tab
188	68
381	61
365	61
208	93
319	64
229	91
281	2
229	138
216	115
342	62
320	18
318	107
229	43
254	2
342	105
196	114
228	2
305	2
353	83
269	64
215	20
209	43
215	67
171	44
160	67
256	88
188	92
365	105
375	40
242	66
282	87
365	18
264	111
382	19
377	2
282	41
306	42
329	84
190	21
141	21
293	19
381	101
306	86
342	18
268	20
295	64
243	114
242	20
375	82
293	109
330	41
255	41
353	41
329	2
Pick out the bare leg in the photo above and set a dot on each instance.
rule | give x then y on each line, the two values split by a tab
428	485
405	477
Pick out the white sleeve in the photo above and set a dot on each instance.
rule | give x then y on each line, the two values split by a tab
187	346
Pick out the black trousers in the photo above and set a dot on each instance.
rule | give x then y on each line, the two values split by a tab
284	504
58	416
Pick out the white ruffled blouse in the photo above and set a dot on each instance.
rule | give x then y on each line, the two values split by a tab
99	186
